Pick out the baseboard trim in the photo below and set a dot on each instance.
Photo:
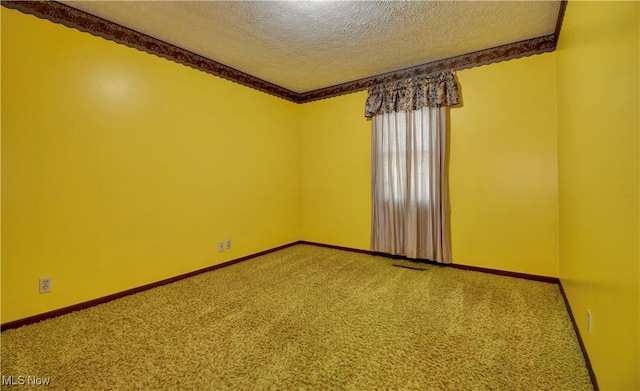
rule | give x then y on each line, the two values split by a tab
534	277
592	374
105	299
350	249
526	276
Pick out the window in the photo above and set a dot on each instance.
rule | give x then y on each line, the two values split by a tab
410	190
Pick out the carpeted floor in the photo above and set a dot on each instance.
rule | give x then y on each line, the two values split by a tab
309	318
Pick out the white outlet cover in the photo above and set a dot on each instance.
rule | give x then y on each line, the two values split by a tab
44	285
221	247
228	244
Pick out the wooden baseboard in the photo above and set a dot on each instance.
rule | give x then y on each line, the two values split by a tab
101	300
592	374
526	276
87	304
534	277
350	249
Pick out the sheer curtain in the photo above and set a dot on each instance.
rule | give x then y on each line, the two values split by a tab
409	159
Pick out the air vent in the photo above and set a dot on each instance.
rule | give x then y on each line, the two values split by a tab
419	268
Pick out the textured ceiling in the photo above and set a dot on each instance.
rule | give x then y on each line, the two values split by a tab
308	45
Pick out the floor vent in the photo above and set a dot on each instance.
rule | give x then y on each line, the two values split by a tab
412	267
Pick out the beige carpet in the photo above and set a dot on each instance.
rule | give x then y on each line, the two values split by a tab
309	318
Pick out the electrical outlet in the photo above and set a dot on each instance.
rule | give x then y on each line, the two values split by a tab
220	247
589	322
228	244
45	284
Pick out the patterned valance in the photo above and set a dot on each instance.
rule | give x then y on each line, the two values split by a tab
412	94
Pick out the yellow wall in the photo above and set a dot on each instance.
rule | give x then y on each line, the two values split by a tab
503	167
598	126
335	172
503	171
120	168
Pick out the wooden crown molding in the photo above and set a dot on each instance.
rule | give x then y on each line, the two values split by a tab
556	33
465	61
80	20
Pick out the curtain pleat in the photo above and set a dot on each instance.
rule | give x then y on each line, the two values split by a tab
409	184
